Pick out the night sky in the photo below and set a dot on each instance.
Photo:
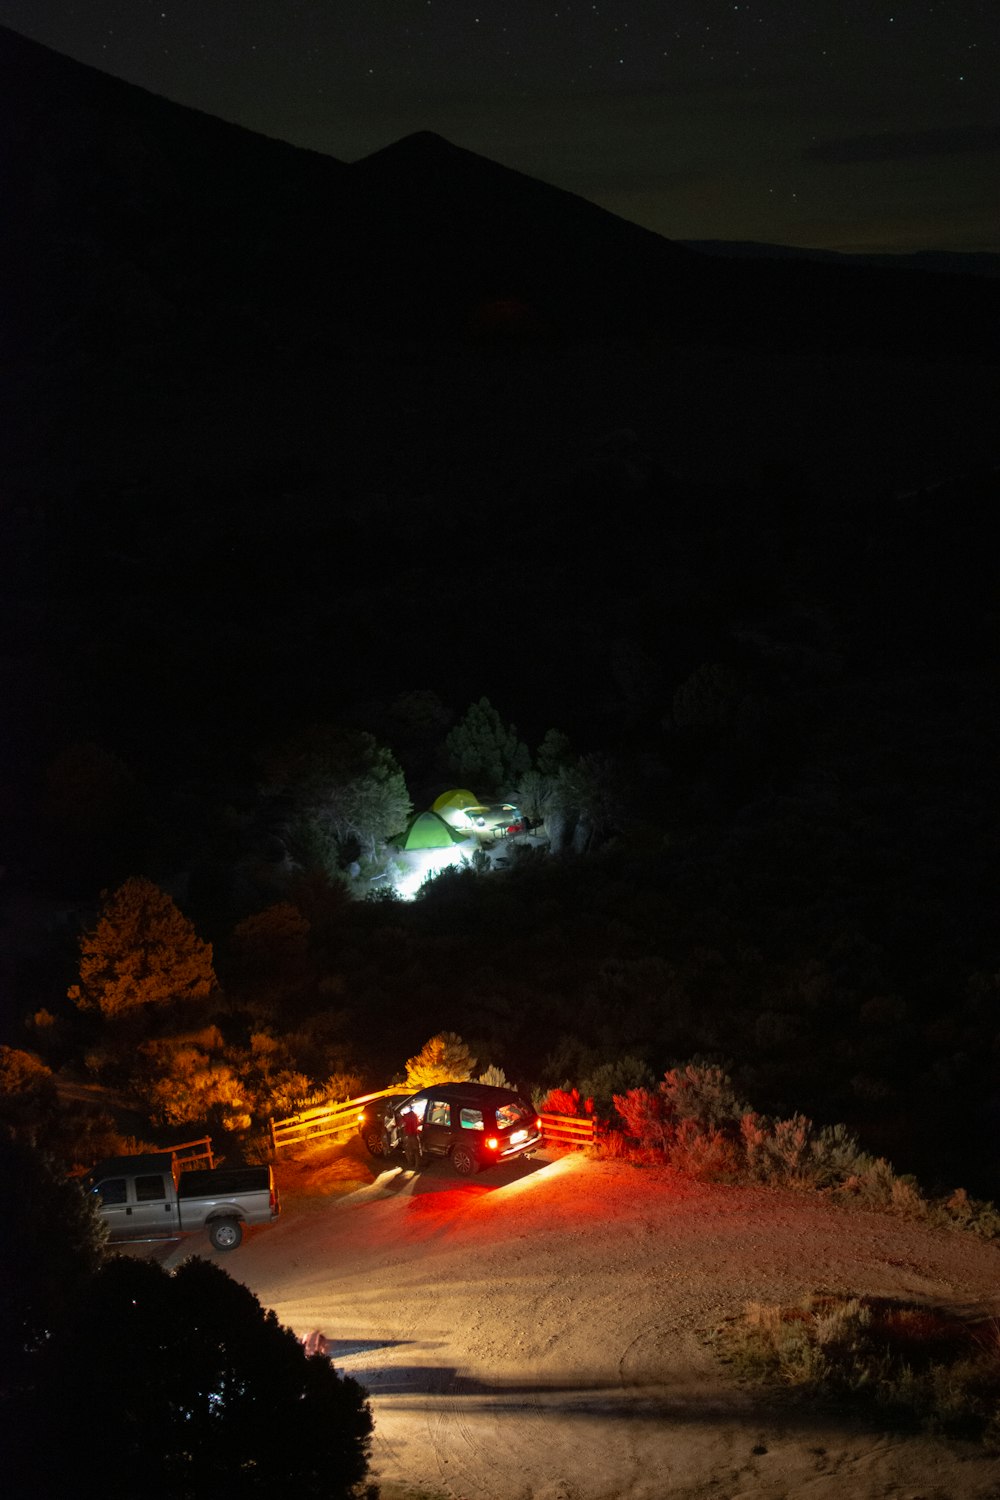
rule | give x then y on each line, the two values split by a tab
846	124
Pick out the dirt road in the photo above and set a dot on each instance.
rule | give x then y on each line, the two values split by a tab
537	1332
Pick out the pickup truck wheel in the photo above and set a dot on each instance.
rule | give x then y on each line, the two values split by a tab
225	1234
464	1161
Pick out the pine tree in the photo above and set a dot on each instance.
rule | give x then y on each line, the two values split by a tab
143	951
485	752
343	784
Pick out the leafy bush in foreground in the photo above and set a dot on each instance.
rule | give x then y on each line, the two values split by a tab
49	1251
207	1393
915	1366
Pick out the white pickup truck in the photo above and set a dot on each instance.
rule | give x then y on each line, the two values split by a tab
150	1198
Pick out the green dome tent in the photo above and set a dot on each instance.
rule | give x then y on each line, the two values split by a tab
428	830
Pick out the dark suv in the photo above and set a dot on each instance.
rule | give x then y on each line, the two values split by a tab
474	1124
372	1121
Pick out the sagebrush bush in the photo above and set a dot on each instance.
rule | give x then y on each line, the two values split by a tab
608	1079
962	1212
692	1118
79	1138
915	1365
647	1118
702	1093
27	1088
707	1155
695	1121
495	1077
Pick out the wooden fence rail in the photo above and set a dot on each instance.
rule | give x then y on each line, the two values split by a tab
191	1155
341	1119
567	1130
324	1120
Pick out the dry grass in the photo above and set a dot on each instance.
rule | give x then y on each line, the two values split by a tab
914	1365
316	1173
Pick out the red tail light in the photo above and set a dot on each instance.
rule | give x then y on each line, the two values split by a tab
492	1144
538	1122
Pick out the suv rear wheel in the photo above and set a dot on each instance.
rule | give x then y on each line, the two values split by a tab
463	1160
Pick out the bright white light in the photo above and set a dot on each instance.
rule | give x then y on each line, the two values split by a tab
420	864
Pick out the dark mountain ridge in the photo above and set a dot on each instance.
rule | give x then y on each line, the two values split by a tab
130	211
204	222
939	262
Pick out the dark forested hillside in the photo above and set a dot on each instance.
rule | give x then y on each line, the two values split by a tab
295	442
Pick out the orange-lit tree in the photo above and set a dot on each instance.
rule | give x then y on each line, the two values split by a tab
142	952
270	971
444	1059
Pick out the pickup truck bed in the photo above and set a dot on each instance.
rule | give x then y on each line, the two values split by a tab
150	1198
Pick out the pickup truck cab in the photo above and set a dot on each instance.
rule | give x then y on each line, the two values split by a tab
150	1198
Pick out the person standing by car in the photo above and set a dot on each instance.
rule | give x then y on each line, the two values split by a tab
411	1139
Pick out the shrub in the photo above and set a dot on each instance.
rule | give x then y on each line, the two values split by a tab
695	1121
777	1151
444	1059
647	1118
214	1394
339	1087
566	1102
183	1084
50	1247
962	1212
495	1077
836	1157
614	1145
80	1137
27	1088
914	1364
693	1118
870	1181
704	1094
478	861
609	1079
707	1155
287	1093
